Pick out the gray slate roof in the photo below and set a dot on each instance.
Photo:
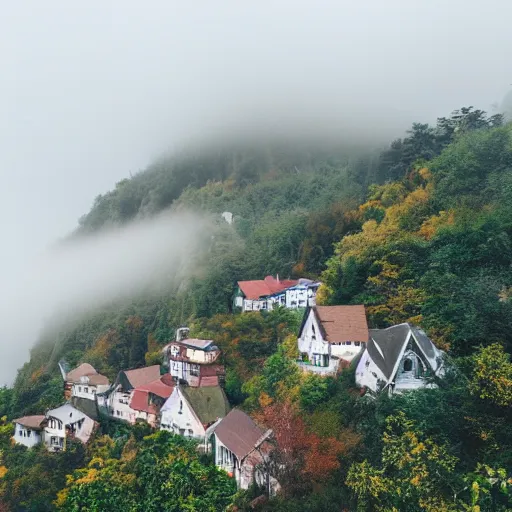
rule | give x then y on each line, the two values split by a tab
390	341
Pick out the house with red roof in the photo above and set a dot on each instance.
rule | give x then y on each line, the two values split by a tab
192	361
137	394
265	294
331	336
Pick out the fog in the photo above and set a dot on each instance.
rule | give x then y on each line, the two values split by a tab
93	91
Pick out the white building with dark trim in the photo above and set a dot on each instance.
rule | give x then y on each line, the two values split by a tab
399	358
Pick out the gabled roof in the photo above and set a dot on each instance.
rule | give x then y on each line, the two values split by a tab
141	376
208	403
196	343
33	422
67	414
238	433
158	387
96	379
340	323
80	371
387	345
265	287
139	401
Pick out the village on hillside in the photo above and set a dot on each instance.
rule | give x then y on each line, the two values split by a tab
185	394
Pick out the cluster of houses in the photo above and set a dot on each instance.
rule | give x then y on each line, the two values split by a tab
265	294
185	394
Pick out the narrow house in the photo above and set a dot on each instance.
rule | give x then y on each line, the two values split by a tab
193	361
74	376
28	430
397	359
87	386
330	337
116	400
189	411
235	442
265	294
64	422
148	400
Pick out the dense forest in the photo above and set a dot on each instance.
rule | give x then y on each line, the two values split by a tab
419	232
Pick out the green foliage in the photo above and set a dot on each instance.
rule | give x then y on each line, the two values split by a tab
159	472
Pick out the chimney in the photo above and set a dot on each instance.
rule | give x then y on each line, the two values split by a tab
182	333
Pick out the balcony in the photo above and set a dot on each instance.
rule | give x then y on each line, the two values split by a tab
331	369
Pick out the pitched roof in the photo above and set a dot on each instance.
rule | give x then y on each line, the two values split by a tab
209	403
342	323
385	346
158	387
140	376
67	414
80	371
196	343
139	401
264	287
238	433
33	422
97	379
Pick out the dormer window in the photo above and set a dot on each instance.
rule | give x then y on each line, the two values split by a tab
408	365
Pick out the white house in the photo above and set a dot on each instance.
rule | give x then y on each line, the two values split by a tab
84	382
65	421
189	411
267	293
89	385
193	361
136	394
330	337
397	359
236	443
28	430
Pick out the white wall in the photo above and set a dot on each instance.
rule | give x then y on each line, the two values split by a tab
307	344
120	410
187	422
368	373
26	436
56	429
347	351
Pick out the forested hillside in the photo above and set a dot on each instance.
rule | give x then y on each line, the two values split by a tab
420	232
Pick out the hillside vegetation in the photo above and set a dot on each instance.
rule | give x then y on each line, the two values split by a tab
420	233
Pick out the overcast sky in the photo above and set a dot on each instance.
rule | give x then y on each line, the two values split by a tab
91	91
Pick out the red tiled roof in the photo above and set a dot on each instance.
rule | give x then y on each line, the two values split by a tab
268	286
33	422
158	388
238	433
80	371
140	402
141	376
342	323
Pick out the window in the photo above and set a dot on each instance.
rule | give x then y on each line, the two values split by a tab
28	433
408	365
79	389
86	390
357	343
190	432
21	433
181	407
182	431
194	370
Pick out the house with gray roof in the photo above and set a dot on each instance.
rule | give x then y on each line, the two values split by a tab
239	447
397	359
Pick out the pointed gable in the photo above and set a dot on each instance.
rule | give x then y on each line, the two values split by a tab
340	323
386	347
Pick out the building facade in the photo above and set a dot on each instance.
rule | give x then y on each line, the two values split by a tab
398	359
330	337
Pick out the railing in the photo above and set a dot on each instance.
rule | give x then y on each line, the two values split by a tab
319	370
